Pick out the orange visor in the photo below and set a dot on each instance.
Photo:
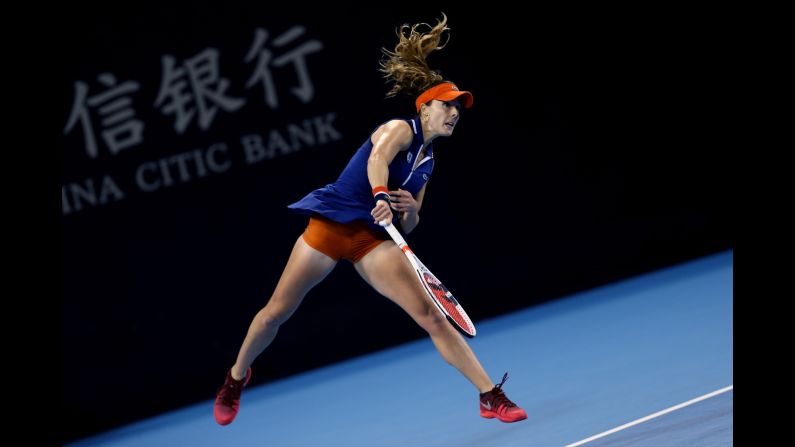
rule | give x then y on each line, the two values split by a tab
446	91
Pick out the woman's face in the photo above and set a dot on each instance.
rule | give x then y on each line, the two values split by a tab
442	116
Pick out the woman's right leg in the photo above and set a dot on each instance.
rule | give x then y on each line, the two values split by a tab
305	269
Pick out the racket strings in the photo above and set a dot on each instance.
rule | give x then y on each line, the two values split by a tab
438	289
448	302
452	310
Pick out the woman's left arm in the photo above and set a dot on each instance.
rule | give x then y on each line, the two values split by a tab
408	206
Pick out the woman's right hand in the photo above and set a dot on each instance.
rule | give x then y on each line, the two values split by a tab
381	212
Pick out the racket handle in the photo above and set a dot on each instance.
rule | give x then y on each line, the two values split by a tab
394	233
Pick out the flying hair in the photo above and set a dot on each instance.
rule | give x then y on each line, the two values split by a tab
406	65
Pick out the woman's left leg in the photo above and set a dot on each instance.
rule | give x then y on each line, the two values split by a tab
388	271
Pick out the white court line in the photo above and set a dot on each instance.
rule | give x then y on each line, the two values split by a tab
652	416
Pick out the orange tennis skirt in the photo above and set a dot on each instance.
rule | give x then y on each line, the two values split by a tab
351	241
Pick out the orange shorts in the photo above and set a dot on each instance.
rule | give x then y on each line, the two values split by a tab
336	240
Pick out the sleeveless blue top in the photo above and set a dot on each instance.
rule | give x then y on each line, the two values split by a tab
350	197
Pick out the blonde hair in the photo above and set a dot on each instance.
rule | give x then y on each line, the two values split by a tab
406	65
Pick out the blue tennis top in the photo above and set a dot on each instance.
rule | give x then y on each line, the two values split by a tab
350	197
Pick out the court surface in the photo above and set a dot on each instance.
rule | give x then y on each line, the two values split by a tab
642	362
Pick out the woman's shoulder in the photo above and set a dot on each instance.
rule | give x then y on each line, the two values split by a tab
399	125
397	129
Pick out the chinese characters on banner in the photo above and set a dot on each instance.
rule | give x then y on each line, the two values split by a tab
192	92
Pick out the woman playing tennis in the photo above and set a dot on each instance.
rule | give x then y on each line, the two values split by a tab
386	179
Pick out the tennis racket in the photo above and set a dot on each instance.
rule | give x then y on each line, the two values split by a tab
438	293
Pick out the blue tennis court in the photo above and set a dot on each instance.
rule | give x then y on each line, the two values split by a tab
643	362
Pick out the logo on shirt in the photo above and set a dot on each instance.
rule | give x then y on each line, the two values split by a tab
408	157
425	177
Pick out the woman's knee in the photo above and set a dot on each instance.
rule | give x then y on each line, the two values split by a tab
432	320
270	318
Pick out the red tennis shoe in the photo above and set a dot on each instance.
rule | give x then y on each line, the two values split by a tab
494	404
227	400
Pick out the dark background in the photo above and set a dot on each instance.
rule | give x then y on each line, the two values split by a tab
590	156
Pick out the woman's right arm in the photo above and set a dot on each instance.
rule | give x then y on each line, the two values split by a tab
388	140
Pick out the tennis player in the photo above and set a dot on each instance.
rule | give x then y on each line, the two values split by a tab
386	179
